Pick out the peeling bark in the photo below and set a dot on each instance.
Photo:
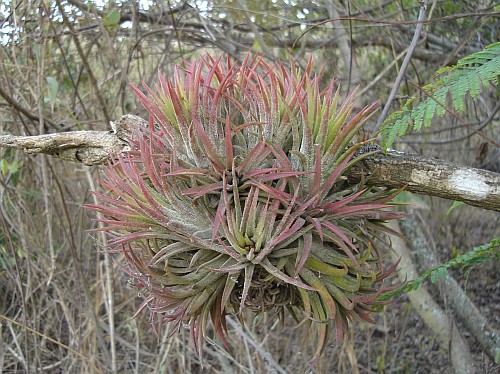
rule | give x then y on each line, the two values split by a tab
87	147
429	176
419	174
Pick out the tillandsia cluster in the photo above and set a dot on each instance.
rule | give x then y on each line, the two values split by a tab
235	198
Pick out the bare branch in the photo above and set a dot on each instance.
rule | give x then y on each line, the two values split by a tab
88	147
344	43
419	174
404	65
429	176
85	61
13	103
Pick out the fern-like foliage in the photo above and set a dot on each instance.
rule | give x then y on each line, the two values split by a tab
476	256
466	77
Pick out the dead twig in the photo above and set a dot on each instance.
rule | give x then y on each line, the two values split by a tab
404	65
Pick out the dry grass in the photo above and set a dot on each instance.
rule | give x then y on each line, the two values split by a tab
55	315
55	278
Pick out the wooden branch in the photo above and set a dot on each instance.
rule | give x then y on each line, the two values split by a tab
429	176
419	174
87	147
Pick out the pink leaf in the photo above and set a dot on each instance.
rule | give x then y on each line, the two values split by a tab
328	184
330	207
228	145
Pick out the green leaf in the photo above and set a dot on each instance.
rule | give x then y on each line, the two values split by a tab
13	167
256	46
4	166
476	256
464	79
112	18
453	206
36	49
411	199
53	90
434	277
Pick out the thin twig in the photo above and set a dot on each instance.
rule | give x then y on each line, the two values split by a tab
345	46
256	32
404	65
108	270
43	336
18	107
241	331
40	67
85	62
379	76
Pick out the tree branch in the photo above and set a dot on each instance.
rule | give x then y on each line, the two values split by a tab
429	176
88	147
419	174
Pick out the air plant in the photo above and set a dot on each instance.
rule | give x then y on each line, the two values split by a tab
235	198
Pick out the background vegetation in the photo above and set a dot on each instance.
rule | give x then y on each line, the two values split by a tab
66	65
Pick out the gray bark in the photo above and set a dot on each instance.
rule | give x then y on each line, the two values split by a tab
429	176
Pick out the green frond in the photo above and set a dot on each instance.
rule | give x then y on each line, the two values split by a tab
456	82
476	256
402	118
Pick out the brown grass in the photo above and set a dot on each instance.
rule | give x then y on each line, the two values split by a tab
55	278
